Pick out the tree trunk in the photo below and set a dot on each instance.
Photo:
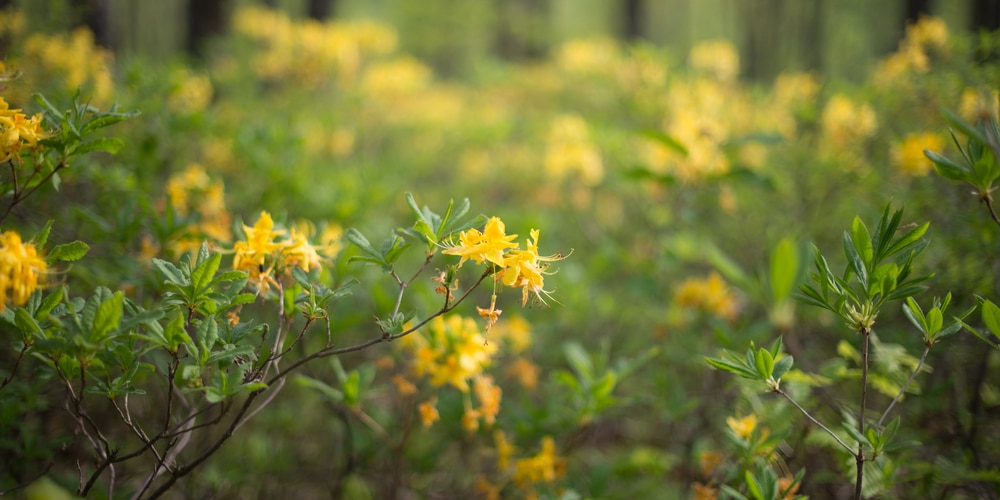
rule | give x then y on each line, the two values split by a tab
206	19
94	15
986	15
632	19
321	10
916	8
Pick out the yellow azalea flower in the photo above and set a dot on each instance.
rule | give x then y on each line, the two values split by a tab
17	131
504	449
488	245
450	351
743	427
492	314
525	372
297	251
908	155
717	58
709	294
524	269
21	269
252	255
546	466
428	412
470	420
403	386
705	492
489	396
488	490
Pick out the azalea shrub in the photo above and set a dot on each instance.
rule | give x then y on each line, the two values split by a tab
257	274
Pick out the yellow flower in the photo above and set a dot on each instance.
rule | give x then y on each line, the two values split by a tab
524	269
710	294
546	466
17	131
705	492
845	122
743	427
21	269
717	58
488	245
504	449
428	412
403	386
450	351
492	314
470	420
525	372
252	255
489	396
908	155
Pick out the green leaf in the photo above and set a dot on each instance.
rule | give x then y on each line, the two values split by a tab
908	239
109	314
915	314
862	241
765	363
110	145
330	392
781	367
202	276
69	252
733	367
785	269
855	261
107	119
949	169
42	236
666	140
169	271
991	316
969	130
54	113
579	360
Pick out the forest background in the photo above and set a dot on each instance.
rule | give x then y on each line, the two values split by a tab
685	162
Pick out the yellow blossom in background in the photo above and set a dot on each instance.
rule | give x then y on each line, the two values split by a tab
709	294
488	245
570	153
505	450
428	412
546	466
403	386
488	490
449	351
190	92
718	58
515	332
387	80
908	155
796	88
743	427
180	186
470	420
22	270
310	52
488	395
192	193
71	59
594	55
704	491
708	461
978	104
927	36
525	372
846	122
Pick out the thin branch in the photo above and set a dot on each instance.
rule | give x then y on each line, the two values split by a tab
916	370
859	458
17	362
817	422
989	204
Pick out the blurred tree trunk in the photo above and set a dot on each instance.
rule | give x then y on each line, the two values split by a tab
986	15
94	14
632	19
321	10
914	9
206	19
520	28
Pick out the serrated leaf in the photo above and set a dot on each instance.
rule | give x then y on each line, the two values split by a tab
170	272
69	252
42	237
54	113
107	119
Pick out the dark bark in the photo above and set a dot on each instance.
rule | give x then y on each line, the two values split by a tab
914	9
95	17
632	19
321	10
986	15
206	19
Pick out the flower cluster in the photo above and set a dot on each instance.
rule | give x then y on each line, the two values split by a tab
710	294
524	269
21	269
453	352
74	60
570	152
17	131
908	154
268	252
545	467
924	38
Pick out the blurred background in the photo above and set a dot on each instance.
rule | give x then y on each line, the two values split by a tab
671	145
